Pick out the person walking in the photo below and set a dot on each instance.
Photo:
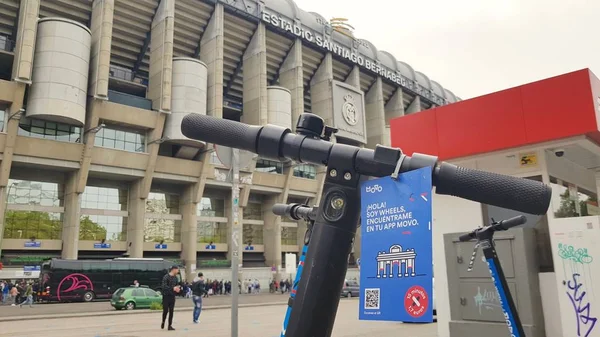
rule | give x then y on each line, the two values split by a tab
28	296
198	290
14	292
170	289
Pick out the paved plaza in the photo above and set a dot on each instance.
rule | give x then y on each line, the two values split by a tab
259	321
101	307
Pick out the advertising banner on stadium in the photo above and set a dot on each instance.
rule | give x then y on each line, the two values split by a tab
396	248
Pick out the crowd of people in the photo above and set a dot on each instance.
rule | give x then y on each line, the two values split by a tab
281	286
18	293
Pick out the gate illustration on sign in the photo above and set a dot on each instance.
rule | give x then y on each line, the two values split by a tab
405	260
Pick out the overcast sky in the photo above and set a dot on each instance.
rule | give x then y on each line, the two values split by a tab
474	47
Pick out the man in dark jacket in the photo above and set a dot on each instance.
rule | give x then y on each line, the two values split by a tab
170	288
198	289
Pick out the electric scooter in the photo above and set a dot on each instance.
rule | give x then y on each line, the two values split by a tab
335	221
485	240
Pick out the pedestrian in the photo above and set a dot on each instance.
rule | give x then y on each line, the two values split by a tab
14	292
170	289
136	284
28	296
198	290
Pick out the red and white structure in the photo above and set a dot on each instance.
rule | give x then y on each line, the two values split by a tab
547	130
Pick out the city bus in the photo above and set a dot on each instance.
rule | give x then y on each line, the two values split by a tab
86	280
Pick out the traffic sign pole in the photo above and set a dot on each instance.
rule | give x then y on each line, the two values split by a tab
235	240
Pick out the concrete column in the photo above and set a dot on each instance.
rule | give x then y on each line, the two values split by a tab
321	90
354	77
70	229
272	226
272	232
161	56
292	78
92	121
211	53
189	232
25	44
12	126
415	106
394	107
375	113
102	23
136	220
152	150
255	79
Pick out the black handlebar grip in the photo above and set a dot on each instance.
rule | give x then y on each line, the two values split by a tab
513	222
281	209
221	131
519	194
467	237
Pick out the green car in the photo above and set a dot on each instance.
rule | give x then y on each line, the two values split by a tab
134	298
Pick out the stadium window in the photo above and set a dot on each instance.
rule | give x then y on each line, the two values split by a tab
2	120
289	236
37	222
121	139
107	198
211	207
253	211
305	171
36	128
269	166
215	232
162	203
112	227
253	234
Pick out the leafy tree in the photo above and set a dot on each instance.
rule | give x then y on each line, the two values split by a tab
568	207
89	230
29	224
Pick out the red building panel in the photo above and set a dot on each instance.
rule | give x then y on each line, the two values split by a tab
546	110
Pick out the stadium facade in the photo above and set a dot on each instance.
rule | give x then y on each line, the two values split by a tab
93	163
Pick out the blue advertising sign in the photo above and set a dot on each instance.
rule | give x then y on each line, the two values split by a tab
396	248
249	247
32	244
211	247
102	245
31	268
160	246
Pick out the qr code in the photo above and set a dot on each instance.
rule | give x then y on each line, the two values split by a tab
372	298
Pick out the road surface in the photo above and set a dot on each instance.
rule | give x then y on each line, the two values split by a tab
261	321
79	307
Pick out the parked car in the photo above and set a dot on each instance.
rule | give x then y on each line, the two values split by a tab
350	289
134	298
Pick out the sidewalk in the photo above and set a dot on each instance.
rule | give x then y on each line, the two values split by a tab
129	312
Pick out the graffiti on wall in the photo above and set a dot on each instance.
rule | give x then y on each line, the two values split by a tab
581	306
578	285
487	299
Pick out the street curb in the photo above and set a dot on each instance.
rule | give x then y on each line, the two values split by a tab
125	312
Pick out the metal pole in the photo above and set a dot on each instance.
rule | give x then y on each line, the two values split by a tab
235	240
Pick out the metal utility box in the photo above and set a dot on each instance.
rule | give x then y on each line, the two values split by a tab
474	303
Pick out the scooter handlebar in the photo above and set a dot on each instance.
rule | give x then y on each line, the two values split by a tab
519	194
275	142
512	222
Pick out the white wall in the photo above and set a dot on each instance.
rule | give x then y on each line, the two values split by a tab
581	233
